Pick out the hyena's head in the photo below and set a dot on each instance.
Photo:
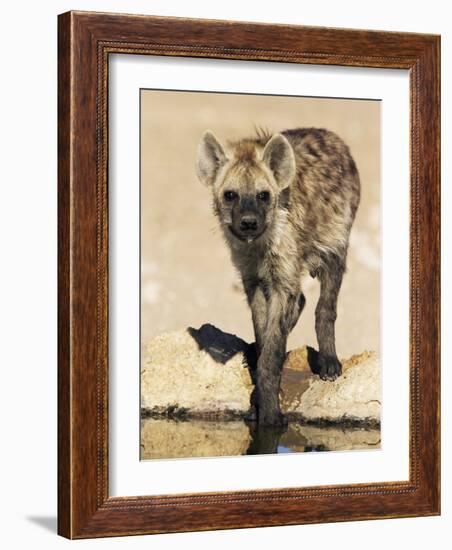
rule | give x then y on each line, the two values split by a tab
246	182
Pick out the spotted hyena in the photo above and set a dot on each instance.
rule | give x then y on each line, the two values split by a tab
286	203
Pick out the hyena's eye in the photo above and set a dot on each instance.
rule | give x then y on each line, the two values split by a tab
263	196
230	195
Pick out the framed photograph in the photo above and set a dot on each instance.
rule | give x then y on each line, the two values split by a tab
248	275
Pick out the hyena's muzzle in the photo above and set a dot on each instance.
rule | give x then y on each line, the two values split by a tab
248	218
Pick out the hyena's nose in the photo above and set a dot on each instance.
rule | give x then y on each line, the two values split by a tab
248	223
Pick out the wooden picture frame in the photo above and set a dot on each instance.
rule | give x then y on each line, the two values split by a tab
85	42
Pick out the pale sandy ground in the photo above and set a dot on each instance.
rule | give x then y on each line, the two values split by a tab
187	276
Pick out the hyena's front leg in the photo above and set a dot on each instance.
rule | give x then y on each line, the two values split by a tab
259	315
325	316
283	312
258	305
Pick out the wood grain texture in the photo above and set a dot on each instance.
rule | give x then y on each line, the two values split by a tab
64	296
85	42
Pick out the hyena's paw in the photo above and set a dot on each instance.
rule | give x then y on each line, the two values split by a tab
330	367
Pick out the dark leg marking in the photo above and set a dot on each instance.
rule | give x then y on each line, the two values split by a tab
268	381
325	316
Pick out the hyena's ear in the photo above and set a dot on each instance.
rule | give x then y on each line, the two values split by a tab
278	155
211	158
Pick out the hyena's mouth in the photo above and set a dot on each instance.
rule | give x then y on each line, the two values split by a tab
246	237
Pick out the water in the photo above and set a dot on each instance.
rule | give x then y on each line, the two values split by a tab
162	438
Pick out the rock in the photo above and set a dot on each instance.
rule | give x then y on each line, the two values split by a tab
354	397
297	359
204	374
196	372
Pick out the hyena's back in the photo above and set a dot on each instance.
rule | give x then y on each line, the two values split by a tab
325	194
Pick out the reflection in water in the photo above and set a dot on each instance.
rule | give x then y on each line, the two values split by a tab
162	438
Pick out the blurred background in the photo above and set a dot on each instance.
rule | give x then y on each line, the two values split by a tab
187	277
